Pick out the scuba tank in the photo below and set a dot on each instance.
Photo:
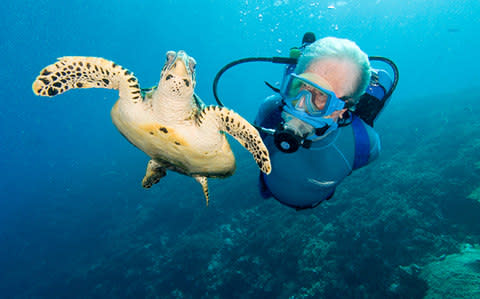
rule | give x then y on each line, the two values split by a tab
378	92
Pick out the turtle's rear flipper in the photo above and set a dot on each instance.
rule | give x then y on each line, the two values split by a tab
86	72
203	181
153	174
240	129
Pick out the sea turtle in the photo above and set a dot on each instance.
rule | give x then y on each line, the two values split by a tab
168	122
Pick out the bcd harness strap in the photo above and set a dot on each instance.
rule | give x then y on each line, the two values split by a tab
362	143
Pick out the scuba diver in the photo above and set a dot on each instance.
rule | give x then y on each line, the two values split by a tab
318	127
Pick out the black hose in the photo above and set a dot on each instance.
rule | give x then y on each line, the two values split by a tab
282	60
288	60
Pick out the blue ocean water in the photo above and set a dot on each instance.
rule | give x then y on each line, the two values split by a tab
75	221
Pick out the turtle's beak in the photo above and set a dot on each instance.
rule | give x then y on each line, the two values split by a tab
179	65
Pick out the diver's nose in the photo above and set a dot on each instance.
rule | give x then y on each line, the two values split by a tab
301	103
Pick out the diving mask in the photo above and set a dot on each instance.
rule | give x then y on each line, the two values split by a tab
301	93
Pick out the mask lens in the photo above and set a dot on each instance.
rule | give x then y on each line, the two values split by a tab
317	100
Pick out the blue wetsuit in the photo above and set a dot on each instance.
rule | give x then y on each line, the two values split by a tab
307	177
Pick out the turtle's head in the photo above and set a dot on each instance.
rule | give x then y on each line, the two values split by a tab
178	75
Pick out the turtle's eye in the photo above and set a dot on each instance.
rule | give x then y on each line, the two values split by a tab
191	64
170	56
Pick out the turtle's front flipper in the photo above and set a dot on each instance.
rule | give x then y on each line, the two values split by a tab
86	72
203	181
153	174
235	125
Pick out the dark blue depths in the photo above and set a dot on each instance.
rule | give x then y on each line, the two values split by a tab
75	222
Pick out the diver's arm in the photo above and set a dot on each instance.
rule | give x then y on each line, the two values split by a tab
267	109
375	146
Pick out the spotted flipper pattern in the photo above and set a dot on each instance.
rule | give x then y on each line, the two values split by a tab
203	181
153	174
240	129
71	72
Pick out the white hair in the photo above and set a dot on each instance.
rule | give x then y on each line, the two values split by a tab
340	48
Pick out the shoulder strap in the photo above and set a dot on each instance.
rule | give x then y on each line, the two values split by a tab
362	143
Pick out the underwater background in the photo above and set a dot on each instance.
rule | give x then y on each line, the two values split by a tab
76	223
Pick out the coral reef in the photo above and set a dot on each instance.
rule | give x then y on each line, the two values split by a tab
392	230
455	275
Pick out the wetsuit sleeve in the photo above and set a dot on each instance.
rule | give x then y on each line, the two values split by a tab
267	113
375	146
